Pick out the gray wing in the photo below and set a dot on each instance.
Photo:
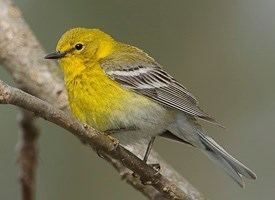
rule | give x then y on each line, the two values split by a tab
137	71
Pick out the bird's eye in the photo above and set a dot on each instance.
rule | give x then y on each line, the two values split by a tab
78	46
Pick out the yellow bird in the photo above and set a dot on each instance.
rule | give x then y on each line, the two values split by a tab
119	89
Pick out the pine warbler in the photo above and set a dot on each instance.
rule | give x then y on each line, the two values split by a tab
119	89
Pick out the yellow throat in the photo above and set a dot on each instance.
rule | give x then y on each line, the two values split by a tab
93	96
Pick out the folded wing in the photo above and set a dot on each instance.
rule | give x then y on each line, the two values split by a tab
146	77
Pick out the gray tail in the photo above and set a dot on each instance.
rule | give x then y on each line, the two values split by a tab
232	166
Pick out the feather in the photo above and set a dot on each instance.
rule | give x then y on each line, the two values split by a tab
139	72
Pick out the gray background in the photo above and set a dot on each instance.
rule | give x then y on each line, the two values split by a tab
223	51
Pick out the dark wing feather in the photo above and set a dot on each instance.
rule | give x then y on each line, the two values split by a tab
148	78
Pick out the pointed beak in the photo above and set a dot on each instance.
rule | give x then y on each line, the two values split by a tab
55	55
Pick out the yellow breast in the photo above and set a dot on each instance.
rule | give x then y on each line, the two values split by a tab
93	98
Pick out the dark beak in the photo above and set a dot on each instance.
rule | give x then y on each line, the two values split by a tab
55	55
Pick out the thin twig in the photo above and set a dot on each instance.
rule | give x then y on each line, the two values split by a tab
27	154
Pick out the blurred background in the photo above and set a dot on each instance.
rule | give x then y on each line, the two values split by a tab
222	51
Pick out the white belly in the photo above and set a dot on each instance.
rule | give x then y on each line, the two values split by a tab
147	120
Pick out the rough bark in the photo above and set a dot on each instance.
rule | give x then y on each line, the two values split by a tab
27	154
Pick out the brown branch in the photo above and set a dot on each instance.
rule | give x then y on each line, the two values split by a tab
27	154
127	175
22	55
98	141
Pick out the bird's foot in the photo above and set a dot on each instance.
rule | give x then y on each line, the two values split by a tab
99	153
86	126
156	167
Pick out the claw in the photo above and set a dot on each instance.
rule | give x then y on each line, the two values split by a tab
155	166
99	154
85	126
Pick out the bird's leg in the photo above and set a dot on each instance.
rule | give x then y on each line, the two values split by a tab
156	166
147	153
145	159
149	148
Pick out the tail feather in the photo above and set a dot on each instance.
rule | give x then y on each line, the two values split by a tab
187	129
228	168
232	166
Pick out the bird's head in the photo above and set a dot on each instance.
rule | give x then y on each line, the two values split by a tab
81	47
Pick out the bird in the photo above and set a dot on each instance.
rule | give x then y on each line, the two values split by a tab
119	89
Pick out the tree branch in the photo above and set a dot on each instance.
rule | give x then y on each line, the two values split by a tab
27	154
127	175
88	135
22	55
